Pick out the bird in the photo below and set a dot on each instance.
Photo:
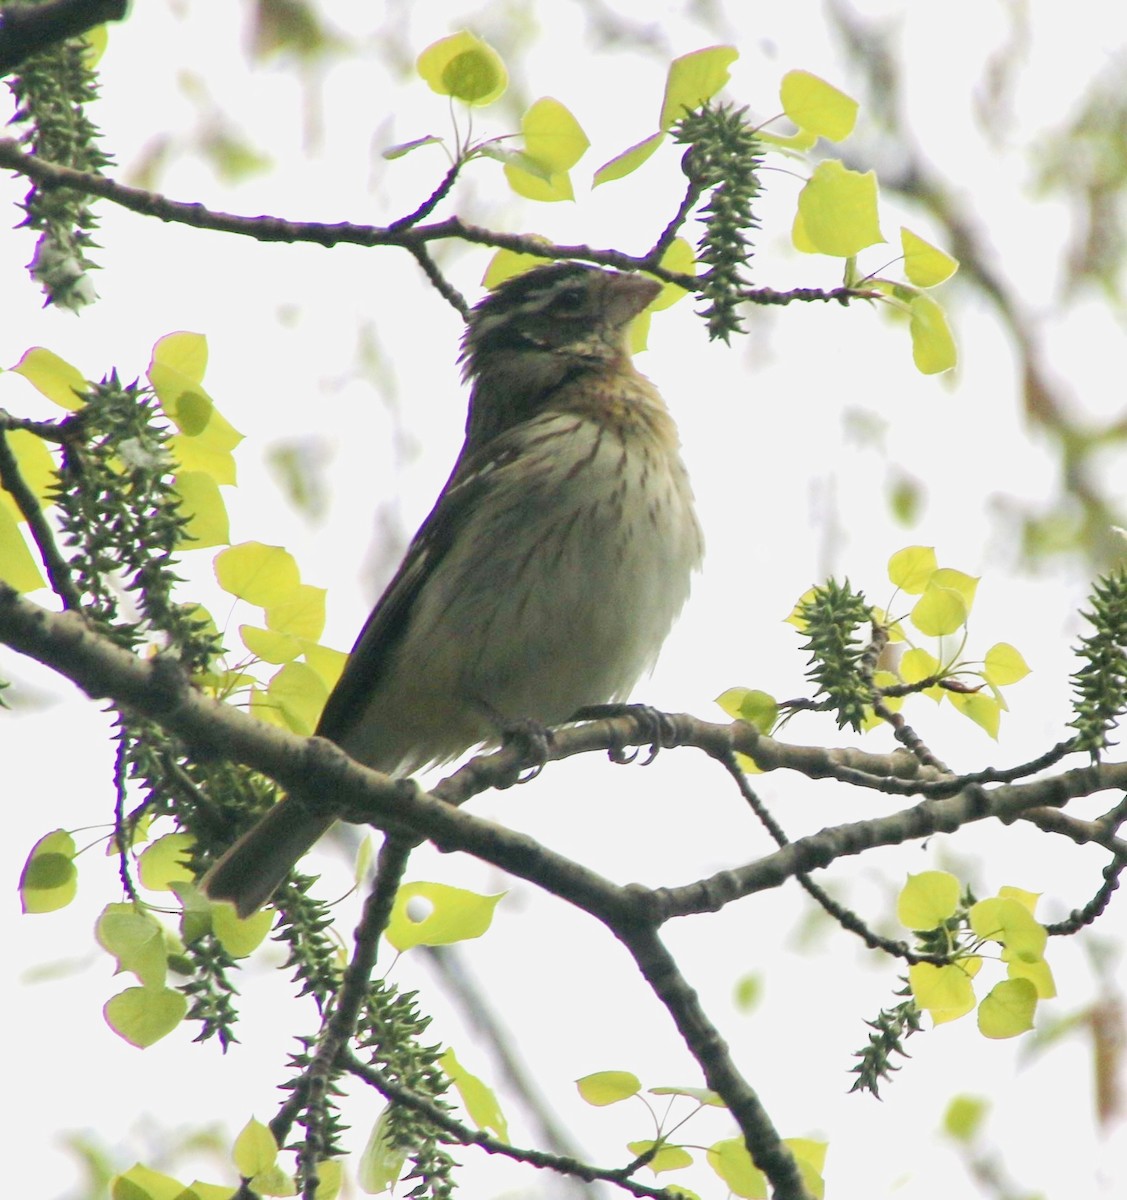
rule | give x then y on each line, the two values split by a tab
547	575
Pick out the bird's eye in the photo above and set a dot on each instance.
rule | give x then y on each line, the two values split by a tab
569	301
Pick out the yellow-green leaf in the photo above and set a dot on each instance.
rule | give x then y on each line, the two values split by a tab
933	345
730	1160
330	1178
946	992
628	161
140	1183
693	79
817	106
381	1161
53	377
699	1094
327	662
678	257
556	187
260	574
940	610
478	1100
1028	900
508	264
455	915
465	67
17	567
273	1182
136	939
208	524
983	710
143	1015
184	353
1010	922
1008	1009
299	694
918	664
255	1149
666	1158
240	936
964	1117
165	862
747	704
49	881
911	568
608	1087
268	645
927	899
924	264
1038	973
300	613
552	135
1004	664
839	210
37	468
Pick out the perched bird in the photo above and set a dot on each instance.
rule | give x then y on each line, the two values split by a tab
546	576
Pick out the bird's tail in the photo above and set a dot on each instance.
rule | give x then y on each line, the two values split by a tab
253	869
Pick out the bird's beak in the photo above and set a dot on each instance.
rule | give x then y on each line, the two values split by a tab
627	295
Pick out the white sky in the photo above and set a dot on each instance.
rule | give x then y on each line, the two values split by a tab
763	430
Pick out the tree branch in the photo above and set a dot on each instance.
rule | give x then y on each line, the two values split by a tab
27	29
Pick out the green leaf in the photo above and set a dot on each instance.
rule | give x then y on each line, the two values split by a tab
628	161
964	1117
983	710
730	1160
608	1087
455	915
924	264
53	377
255	1149
1004	665
927	900
299	694
465	67
680	258
256	573
478	1100
816	106
1008	1009
838	208
49	880
693	79
667	1158
240	936
933	346
946	992
202	502
143	1015
911	568
165	862
136	939
17	567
